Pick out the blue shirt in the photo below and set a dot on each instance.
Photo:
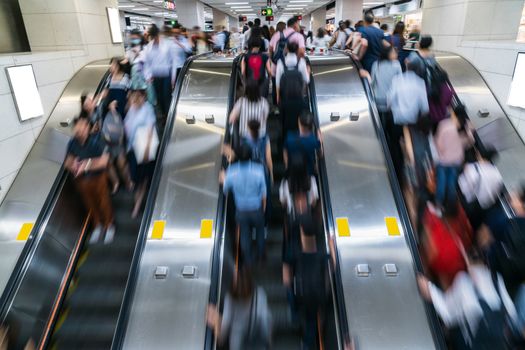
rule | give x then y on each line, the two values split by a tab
375	38
247	182
308	144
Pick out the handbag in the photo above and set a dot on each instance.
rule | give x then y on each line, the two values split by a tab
145	144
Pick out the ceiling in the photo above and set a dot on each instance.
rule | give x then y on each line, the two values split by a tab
283	9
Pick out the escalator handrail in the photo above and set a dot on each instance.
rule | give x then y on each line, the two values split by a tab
342	318
209	338
37	231
129	292
437	331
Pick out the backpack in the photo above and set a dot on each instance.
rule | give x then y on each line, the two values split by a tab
310	282
281	45
256	64
260	322
113	128
508	256
258	149
435	78
292	82
490	333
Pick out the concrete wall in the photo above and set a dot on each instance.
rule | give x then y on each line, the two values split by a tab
484	32
64	36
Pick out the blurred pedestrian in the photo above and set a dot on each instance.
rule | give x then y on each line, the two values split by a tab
251	106
304	141
87	160
398	41
143	142
372	42
246	180
158	68
255	64
246	319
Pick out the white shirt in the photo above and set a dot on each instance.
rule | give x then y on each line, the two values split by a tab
182	48
341	39
321	42
286	197
481	181
291	61
407	98
158	59
137	117
459	305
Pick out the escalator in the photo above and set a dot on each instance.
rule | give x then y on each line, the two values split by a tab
377	251
68	293
268	275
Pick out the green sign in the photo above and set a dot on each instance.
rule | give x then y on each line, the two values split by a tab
266	11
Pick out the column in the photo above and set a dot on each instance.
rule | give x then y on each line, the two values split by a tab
318	18
307	22
190	13
220	19
348	9
233	22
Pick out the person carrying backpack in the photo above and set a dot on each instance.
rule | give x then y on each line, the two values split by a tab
439	91
255	64
306	272
476	308
292	76
246	322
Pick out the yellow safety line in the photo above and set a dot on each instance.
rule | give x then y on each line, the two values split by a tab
25	231
343	227
158	229
392	226
206	228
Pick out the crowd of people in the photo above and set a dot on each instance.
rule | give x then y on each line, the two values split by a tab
470	248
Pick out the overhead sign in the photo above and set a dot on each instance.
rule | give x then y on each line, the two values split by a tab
269	18
266	11
517	87
169	5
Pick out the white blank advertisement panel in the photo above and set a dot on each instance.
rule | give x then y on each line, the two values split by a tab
517	88
25	92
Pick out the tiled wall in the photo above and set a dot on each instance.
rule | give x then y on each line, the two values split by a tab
64	36
484	32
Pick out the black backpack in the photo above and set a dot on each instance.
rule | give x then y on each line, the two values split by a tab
281	45
490	333
509	257
435	78
310	283
292	82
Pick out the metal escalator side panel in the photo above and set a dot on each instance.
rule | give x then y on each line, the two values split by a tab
170	312
27	195
475	93
383	311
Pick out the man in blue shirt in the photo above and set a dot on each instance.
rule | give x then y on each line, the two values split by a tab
246	179
304	141
372	42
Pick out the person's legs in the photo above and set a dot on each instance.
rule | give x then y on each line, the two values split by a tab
245	236
86	189
258	221
309	329
123	168
104	202
441	183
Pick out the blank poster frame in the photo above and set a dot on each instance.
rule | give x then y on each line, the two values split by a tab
25	93
516	97
114	25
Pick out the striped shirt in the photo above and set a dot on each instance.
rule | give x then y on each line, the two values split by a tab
247	110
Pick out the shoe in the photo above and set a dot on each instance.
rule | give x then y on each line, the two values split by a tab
110	234
95	235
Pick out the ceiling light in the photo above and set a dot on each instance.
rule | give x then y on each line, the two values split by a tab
158	1
373	3
241	7
235	3
300	1
141	9
125	6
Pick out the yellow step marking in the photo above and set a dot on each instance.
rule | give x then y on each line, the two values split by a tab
343	227
392	226
158	229
25	231
206	228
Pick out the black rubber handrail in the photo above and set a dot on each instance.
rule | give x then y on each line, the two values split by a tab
209	338
131	284
437	331
339	301
31	244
